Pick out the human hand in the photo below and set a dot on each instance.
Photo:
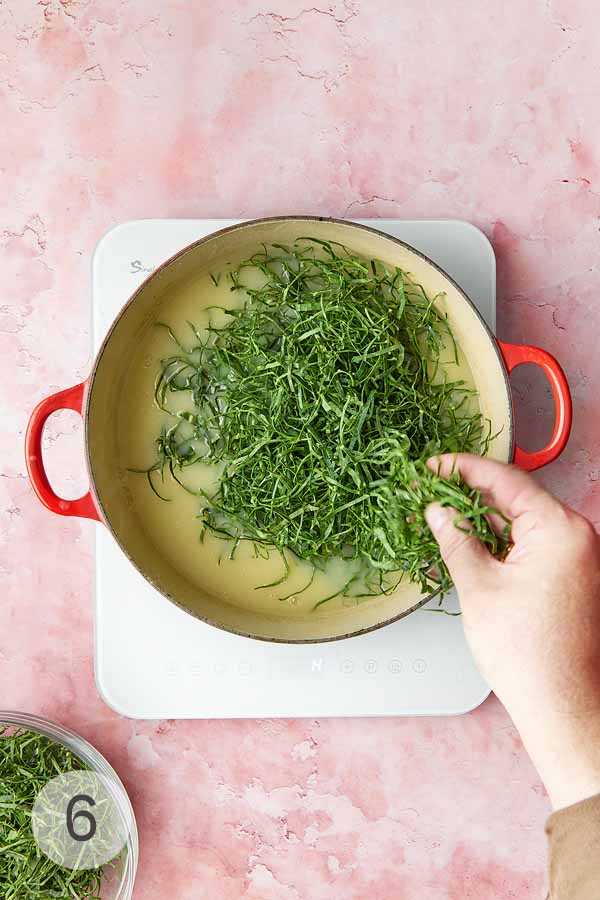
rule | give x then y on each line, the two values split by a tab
533	620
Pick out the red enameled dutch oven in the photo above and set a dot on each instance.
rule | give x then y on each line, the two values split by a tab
97	400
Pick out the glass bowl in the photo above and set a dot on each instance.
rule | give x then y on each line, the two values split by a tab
119	883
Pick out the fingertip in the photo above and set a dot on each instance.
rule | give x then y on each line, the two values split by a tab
433	463
445	464
437	516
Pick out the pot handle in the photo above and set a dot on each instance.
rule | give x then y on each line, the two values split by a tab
72	398
515	355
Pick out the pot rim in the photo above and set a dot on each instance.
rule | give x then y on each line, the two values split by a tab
246	223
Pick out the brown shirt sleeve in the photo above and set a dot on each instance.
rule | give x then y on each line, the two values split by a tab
574	840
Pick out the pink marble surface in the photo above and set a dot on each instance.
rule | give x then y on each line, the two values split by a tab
115	109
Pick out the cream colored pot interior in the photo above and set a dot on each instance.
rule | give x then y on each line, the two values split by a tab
128	512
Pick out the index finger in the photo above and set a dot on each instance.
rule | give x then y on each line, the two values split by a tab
512	491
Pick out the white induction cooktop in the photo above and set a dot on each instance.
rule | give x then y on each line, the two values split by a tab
154	661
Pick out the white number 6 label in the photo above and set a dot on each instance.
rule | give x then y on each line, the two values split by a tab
78	822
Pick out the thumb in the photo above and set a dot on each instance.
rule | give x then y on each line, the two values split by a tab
467	558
